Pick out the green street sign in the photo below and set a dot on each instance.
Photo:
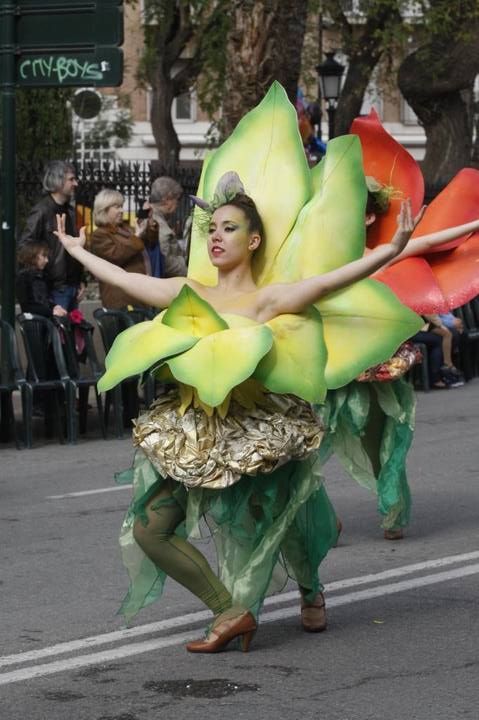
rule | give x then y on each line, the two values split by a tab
102	67
41	25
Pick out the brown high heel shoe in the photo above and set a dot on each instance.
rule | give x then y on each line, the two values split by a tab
313	614
397	534
242	626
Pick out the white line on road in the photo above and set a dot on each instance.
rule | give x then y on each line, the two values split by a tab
177	639
89	492
202	615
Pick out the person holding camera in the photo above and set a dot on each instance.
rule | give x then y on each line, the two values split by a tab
114	240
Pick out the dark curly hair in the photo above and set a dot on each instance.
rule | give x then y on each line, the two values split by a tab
247	205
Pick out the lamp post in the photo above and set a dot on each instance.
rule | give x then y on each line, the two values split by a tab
330	73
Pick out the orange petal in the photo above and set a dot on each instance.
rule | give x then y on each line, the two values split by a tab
413	281
457	272
458	203
388	162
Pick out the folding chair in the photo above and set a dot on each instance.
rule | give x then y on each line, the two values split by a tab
12	379
83	380
47	372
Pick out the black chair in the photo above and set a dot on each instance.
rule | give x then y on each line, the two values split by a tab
12	379
47	372
139	314
88	377
469	340
124	397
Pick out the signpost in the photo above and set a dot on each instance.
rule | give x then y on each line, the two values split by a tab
48	43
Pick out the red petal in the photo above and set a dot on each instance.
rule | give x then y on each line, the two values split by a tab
387	161
415	285
458	203
457	272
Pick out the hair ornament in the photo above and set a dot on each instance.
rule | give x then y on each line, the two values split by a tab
229	185
383	194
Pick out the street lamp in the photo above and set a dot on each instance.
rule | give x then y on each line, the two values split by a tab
330	74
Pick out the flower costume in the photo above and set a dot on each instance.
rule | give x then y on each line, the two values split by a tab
371	424
237	441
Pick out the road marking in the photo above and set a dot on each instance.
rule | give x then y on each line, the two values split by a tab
159	643
202	615
89	492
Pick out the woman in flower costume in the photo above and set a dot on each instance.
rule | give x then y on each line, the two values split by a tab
267	319
371	422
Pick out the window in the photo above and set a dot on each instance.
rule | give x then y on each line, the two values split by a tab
184	108
408	115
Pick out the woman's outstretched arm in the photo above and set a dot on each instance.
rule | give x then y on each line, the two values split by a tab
422	243
148	290
295	297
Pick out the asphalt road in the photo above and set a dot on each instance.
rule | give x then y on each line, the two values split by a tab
403	636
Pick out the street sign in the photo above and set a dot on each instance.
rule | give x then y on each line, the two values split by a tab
44	25
102	67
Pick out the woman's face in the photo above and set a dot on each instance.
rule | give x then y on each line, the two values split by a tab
114	214
230	241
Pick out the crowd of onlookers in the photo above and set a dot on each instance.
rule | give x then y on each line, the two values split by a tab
50	283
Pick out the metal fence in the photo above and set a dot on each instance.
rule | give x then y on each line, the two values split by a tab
132	179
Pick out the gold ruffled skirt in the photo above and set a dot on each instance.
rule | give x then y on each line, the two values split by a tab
213	452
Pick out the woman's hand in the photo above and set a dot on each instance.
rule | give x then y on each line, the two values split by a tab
406	226
140	227
68	241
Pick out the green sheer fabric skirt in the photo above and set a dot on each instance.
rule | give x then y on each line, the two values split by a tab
370	427
266	528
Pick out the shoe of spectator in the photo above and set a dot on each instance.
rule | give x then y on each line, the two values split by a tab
452	376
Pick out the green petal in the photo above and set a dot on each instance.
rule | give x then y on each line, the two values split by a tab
192	315
266	151
330	231
296	362
219	362
363	324
317	173
199	265
138	348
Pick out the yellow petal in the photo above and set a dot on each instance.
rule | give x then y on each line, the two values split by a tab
190	314
364	324
266	151
199	265
138	348
219	362
296	362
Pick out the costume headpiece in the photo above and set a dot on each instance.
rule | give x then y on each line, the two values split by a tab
382	193
229	185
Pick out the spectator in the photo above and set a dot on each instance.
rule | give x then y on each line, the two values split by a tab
64	274
449	338
165	250
31	284
115	241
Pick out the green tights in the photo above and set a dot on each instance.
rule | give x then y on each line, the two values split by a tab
181	560
177	557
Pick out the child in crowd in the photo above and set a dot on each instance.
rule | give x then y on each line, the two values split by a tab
32	289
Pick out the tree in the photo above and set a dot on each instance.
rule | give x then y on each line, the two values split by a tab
44	124
365	37
437	80
264	44
182	39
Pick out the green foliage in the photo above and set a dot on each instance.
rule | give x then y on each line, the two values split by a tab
185	46
44	126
